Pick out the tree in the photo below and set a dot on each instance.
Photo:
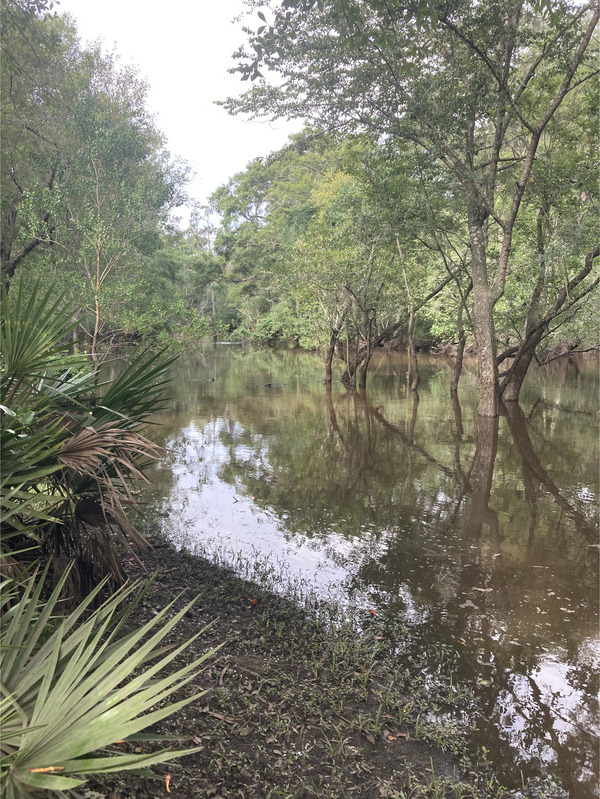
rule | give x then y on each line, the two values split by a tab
417	201
87	178
344	257
119	191
38	50
264	210
473	85
555	242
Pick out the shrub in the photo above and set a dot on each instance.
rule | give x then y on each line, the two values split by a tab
72	686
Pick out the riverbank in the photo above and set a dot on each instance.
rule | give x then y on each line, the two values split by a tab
297	703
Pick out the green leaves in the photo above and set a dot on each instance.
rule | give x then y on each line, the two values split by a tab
85	670
72	448
31	338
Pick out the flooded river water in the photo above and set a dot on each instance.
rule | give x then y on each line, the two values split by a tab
480	535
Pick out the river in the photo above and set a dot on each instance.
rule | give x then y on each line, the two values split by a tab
479	535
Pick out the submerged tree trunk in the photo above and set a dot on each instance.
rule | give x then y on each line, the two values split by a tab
519	369
367	349
537	325
329	362
362	372
485	336
334	334
214	316
462	338
510	388
458	362
413	365
349	375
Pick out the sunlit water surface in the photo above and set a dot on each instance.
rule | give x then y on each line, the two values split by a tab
385	499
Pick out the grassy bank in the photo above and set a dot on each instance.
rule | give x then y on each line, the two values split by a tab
300	701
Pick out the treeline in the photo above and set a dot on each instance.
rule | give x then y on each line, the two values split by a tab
485	113
444	195
88	187
346	242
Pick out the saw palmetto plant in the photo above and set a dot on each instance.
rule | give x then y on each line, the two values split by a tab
74	683
73	448
75	687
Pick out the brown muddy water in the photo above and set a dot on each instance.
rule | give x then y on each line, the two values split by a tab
480	537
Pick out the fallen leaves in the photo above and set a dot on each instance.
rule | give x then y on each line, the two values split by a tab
216	715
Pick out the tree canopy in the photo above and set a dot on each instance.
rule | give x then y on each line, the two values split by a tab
474	86
443	192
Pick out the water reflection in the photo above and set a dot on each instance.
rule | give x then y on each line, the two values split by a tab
481	533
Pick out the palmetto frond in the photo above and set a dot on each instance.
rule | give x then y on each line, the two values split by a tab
73	450
71	686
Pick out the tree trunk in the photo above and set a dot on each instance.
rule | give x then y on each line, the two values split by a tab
457	418
214	316
458	362
512	389
333	338
349	376
362	372
413	367
95	335
485	335
413	364
365	354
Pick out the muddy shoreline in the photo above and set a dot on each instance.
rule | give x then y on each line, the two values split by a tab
295	703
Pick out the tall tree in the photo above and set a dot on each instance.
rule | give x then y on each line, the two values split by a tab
38	50
474	85
264	210
85	172
346	259
556	242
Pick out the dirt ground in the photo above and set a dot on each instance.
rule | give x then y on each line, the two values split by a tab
294	704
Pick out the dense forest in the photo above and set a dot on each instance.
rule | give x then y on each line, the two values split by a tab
443	195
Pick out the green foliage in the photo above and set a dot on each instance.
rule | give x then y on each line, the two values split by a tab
73	450
71	686
86	193
477	88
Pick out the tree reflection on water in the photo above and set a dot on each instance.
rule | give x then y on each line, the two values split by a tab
481	533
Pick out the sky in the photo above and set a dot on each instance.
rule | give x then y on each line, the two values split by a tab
183	49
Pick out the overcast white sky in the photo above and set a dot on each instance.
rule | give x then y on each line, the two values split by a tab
183	48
